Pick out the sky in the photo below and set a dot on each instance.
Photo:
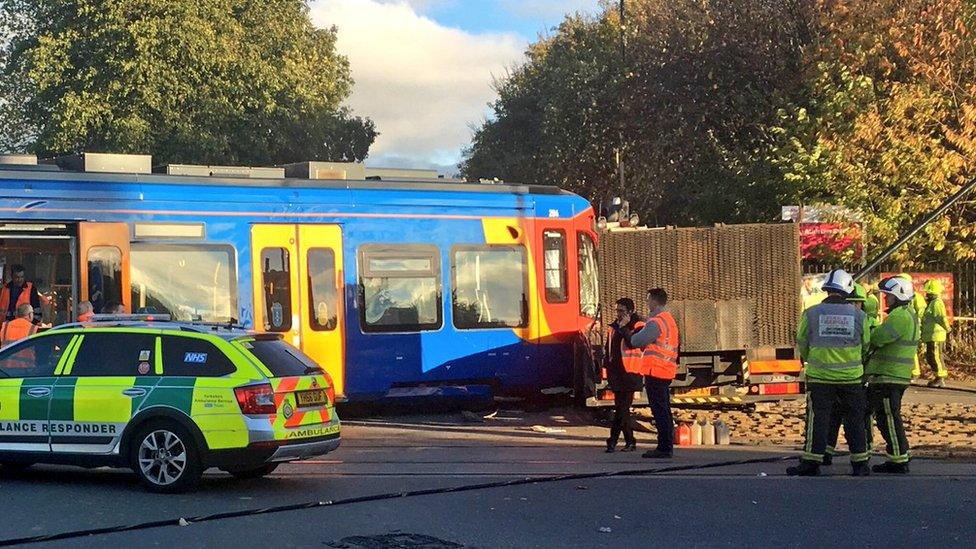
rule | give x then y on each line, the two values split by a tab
423	69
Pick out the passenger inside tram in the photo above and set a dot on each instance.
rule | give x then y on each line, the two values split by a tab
44	263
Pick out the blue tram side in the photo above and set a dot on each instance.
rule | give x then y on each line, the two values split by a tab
398	288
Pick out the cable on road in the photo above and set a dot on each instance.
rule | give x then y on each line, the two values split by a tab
944	389
378	497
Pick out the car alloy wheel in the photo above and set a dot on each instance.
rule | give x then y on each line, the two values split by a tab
162	457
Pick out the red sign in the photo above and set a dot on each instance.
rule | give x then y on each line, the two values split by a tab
919	280
830	240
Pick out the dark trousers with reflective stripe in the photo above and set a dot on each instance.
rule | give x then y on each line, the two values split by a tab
837	419
821	399
659	398
933	356
886	402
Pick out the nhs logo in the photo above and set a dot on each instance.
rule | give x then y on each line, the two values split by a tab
195	358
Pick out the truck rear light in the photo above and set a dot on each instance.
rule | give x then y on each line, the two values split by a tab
256	399
779	389
791	366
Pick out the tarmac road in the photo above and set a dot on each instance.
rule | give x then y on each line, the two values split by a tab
700	498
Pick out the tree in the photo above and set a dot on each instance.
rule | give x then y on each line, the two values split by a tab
699	81
201	81
888	125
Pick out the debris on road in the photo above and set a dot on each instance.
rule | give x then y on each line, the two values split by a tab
546	430
605	529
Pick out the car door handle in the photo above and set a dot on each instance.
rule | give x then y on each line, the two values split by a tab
134	392
39	392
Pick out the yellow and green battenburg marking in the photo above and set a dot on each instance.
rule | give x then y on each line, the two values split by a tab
209	401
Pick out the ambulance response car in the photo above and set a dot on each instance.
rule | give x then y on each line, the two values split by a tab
168	400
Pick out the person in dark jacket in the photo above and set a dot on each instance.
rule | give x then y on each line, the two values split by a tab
622	383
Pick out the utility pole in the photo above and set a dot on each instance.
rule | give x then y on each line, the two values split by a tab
623	70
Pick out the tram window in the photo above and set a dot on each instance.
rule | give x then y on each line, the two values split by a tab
556	274
104	276
276	279
589	284
490	287
401	290
189	282
323	296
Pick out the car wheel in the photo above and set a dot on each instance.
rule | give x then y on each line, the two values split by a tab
165	458
257	472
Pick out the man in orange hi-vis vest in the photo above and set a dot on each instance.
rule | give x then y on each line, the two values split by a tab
20	327
653	353
17	292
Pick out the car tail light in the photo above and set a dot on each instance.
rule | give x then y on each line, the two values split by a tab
256	399
330	391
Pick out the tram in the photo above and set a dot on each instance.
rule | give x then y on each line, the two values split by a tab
399	286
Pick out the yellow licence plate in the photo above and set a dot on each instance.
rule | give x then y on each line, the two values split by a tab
315	397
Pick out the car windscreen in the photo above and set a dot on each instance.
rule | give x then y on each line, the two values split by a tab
280	358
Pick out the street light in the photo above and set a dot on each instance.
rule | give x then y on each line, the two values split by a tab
623	69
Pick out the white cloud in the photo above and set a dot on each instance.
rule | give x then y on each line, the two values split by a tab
422	83
418	5
548	9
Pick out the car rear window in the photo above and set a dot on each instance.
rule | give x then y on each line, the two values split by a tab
281	359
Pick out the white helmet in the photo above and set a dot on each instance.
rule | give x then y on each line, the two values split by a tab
899	288
839	281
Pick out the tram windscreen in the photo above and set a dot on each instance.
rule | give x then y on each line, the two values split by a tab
190	282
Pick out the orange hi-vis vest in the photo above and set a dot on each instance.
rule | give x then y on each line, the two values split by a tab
24	297
659	359
15	330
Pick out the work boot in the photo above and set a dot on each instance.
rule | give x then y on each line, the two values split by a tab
657	454
937	382
828	459
804	469
891	468
861	469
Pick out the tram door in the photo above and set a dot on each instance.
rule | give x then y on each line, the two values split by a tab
104	258
297	272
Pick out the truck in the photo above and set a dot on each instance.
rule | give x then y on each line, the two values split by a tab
735	293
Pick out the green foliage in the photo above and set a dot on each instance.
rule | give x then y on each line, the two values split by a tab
202	81
700	80
887	127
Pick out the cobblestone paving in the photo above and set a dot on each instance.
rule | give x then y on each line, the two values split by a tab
934	430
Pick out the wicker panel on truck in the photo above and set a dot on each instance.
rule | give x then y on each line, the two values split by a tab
735	293
748	274
696	323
